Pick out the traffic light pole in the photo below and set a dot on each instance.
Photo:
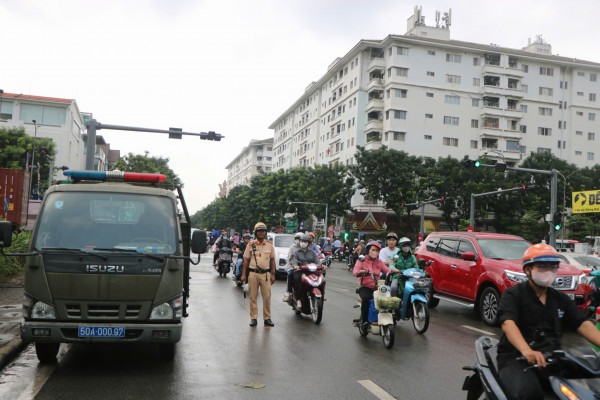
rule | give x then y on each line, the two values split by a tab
422	206
553	191
474	195
174	133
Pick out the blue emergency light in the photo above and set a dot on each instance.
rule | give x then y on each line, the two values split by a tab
115	176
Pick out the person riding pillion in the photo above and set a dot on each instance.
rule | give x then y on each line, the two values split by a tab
387	253
259	259
532	315
362	270
301	257
240	248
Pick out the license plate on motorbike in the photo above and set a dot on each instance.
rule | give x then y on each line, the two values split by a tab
101	331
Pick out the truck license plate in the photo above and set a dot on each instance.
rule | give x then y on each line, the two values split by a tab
101	331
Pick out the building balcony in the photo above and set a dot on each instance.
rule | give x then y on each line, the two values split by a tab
376	63
374	125
500	133
494	90
375	83
374	105
373	144
511	113
495	154
498	70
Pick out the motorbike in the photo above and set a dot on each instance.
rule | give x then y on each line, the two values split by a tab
415	297
310	299
327	257
580	364
595	285
224	261
381	313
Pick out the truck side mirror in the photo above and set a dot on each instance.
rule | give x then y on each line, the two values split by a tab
199	242
5	234
468	256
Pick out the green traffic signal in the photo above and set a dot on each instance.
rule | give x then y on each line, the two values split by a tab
557	221
477	163
471	163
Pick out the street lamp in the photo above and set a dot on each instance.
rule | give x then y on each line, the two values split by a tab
318	204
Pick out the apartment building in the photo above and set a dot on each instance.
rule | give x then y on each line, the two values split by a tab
255	158
428	95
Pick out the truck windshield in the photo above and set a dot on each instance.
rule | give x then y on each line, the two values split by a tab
503	249
78	220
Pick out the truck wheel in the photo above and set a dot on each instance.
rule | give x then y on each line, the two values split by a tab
488	306
46	352
166	351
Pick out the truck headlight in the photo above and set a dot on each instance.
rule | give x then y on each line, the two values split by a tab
162	311
41	310
515	276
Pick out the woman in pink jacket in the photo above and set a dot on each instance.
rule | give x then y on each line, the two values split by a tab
362	270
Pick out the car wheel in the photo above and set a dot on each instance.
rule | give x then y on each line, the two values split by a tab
488	306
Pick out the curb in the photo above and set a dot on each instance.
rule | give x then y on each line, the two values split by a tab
10	350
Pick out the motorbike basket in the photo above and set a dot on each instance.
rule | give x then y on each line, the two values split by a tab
388	303
422	283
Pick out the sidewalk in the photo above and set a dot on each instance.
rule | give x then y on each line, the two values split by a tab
11	304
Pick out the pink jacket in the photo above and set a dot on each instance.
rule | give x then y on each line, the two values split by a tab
375	266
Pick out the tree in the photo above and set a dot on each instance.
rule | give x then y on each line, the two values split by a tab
146	163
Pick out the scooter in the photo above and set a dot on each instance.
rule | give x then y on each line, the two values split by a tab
415	297
327	257
580	364
224	261
381	313
310	299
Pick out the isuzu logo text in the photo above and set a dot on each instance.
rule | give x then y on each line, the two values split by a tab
104	268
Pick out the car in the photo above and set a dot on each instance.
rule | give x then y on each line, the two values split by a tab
475	268
282	243
585	262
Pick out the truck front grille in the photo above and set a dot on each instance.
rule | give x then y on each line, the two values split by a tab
102	311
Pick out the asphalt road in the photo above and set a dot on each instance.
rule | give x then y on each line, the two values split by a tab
220	353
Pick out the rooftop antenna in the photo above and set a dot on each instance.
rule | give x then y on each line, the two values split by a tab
437	19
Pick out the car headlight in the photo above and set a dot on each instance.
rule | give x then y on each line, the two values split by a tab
584	279
41	310
515	276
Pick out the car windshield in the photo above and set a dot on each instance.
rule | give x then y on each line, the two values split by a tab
503	249
283	241
587	260
108	221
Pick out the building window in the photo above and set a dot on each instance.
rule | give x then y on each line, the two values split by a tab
592	96
544	150
524	88
544	131
579	93
489	122
401	71
476	62
427	137
592	116
512	145
591	136
397	114
430	73
476	82
546	91
475	102
545	111
429	116
453	78
547	71
399	93
564	84
429	94
525	67
431	52
577	153
523	108
455	58
523	128
580	73
579	113
399	136
450	120
590	156
6	110
47	115
451	141
593	77
474	123
474	144
562	124
402	51
452	99
579	133
489	143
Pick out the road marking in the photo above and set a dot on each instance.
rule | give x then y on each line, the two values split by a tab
478	330
376	390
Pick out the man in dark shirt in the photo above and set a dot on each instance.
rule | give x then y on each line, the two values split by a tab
532	315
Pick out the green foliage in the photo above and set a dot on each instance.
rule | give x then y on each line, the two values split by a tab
146	163
10	266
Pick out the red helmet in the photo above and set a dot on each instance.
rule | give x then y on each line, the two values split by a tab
541	252
372	243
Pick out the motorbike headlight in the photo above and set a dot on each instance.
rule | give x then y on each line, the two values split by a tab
41	310
515	276
162	311
312	267
584	279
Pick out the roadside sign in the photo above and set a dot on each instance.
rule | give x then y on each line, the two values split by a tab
586	202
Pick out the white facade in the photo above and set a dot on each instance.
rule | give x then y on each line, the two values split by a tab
56	119
253	159
431	96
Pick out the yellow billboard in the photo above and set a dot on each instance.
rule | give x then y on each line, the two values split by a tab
586	202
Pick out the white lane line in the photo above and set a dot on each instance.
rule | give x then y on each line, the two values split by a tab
376	390
478	330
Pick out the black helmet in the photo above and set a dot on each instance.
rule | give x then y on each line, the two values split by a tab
246	235
391	235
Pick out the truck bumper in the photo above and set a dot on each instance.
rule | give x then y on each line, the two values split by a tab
67	332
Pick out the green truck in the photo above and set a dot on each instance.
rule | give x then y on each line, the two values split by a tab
109	261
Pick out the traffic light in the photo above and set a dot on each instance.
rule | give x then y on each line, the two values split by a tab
346	234
500	167
557	221
472	163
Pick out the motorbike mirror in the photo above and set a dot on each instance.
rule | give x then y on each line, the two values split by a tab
468	256
422	263
361	257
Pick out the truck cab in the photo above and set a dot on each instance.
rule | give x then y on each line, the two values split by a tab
108	262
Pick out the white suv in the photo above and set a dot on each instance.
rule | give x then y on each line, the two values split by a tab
282	243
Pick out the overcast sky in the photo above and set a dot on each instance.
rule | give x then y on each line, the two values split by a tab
231	66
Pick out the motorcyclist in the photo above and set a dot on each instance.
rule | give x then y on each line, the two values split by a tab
312	245
290	269
387	253
336	246
532	315
240	247
352	257
327	246
301	257
222	241
363	269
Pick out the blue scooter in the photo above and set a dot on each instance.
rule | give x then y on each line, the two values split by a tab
416	296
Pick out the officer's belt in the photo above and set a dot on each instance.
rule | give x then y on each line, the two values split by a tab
259	270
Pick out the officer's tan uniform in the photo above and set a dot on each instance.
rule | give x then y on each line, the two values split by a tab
260	275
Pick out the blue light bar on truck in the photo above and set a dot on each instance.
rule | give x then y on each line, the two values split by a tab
115	176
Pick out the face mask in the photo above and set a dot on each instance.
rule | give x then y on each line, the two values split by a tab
303	245
543	279
406	249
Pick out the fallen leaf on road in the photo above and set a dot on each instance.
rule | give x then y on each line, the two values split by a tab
253	385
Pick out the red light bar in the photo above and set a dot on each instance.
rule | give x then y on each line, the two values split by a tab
143	177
